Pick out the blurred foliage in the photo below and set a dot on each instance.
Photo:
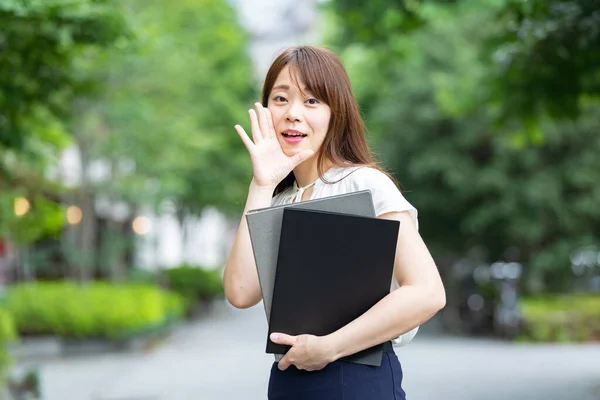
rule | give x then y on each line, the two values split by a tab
548	57
95	310
8	335
38	45
371	22
147	92
165	121
425	94
44	218
194	283
565	318
543	54
197	285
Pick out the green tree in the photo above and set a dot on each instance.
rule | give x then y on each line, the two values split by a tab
172	98
545	54
476	186
164	124
40	43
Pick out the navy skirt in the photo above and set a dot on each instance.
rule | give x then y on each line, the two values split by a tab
340	381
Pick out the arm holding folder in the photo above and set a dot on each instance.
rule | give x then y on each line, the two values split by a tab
369	329
417	297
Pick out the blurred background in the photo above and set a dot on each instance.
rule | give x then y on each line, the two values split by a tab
122	182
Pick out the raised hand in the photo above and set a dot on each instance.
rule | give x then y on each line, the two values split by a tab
270	164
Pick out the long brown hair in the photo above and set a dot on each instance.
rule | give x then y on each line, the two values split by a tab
326	78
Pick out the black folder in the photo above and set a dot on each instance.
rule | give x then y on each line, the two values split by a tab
331	268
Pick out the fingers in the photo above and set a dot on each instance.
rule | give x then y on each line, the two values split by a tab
256	133
244	136
272	132
263	120
284	363
282	338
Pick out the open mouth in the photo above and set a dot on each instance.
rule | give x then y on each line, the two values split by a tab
293	134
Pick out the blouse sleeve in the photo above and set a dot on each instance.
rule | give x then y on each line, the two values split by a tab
386	196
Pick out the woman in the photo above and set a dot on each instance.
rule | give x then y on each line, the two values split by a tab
308	142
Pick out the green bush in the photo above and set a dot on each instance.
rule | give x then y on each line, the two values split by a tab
195	283
7	335
98	309
562	318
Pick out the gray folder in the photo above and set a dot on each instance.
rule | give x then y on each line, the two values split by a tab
264	226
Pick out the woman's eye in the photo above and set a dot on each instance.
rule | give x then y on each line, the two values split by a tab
313	101
279	98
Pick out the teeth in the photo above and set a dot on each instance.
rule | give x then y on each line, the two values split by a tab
294	134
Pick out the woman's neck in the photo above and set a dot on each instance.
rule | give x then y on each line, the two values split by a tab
308	172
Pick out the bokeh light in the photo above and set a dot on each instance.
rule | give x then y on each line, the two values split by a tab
142	225
21	206
74	215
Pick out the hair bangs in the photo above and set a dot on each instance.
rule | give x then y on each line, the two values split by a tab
306	66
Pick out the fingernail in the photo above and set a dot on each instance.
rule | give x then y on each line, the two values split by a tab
274	336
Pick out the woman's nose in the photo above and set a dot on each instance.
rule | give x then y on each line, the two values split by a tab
293	113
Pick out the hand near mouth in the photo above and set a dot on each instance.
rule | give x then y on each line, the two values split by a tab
270	164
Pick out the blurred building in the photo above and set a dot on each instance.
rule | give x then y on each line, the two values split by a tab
274	25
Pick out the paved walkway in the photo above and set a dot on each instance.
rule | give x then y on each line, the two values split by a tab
221	357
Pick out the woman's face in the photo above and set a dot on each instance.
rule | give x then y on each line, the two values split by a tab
301	121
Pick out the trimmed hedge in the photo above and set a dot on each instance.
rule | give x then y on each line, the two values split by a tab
8	334
195	283
561	318
93	310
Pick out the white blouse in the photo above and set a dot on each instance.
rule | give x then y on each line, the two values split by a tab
340	180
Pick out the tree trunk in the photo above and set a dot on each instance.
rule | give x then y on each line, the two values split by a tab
88	226
116	243
114	251
87	237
